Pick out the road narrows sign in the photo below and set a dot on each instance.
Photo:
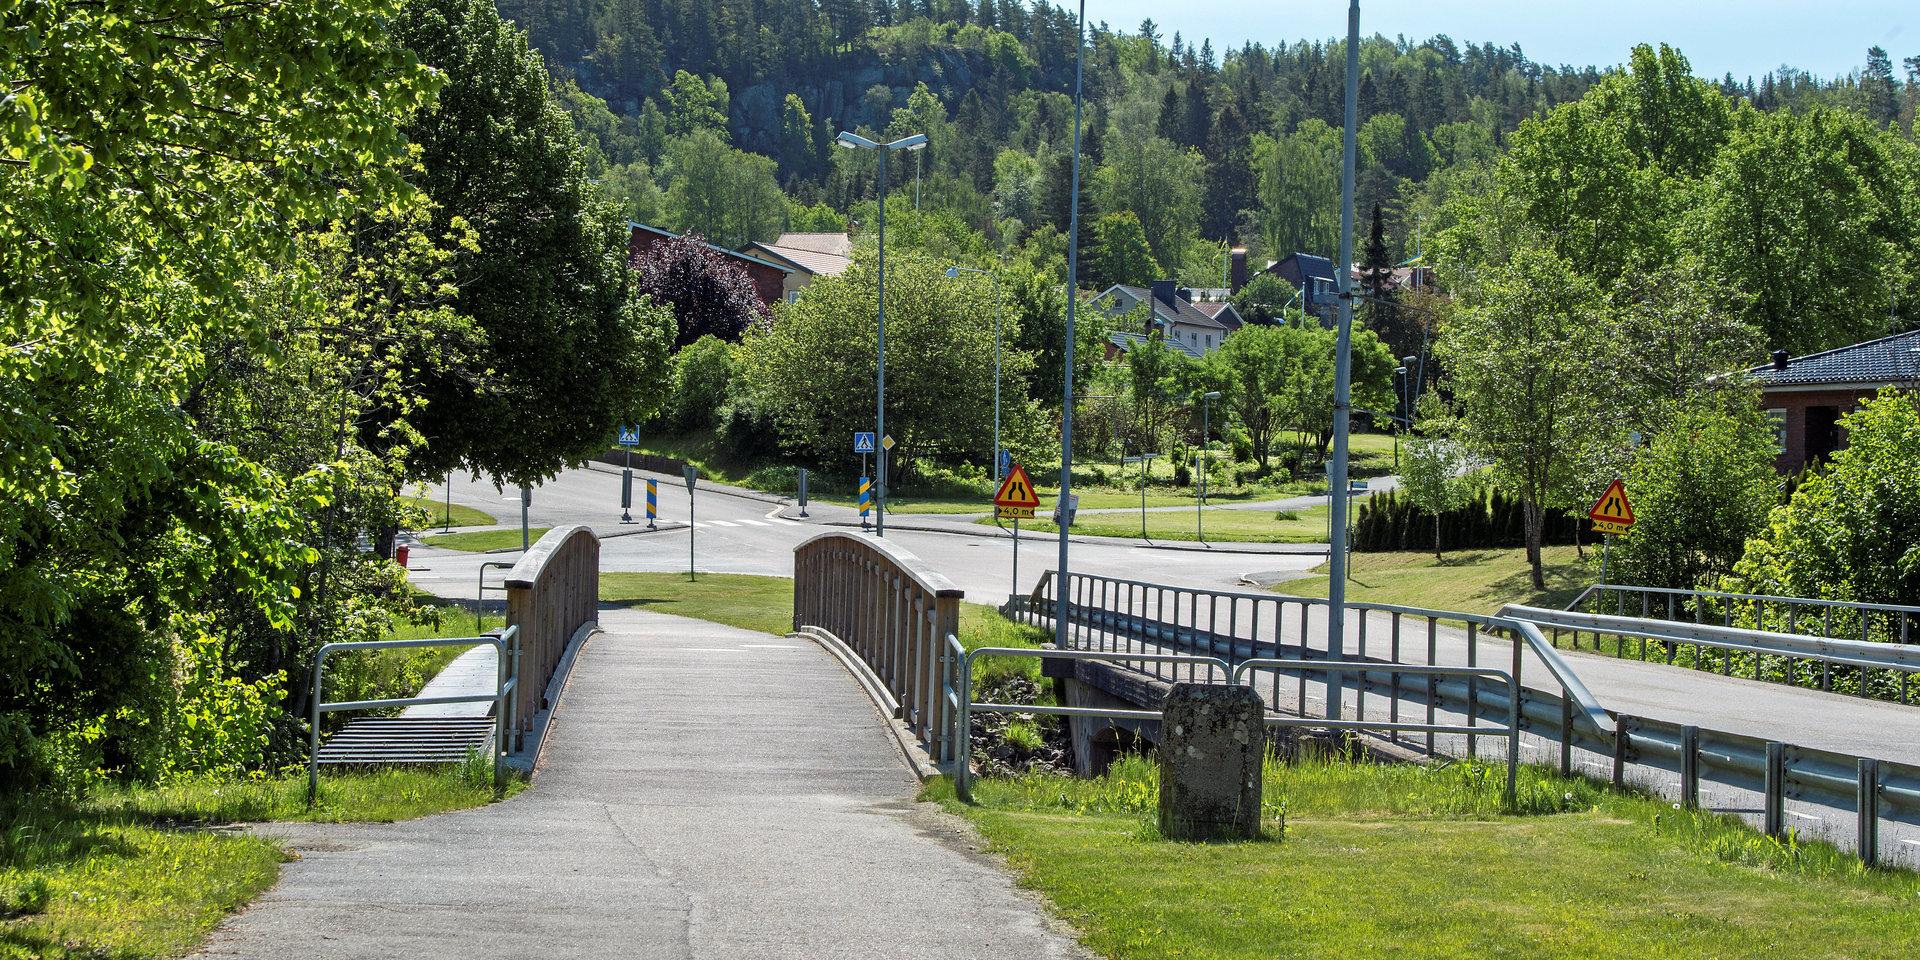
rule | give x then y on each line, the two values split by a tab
1612	513
1016	498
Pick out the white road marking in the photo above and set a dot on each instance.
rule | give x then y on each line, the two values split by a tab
750	523
712	650
769	646
722	523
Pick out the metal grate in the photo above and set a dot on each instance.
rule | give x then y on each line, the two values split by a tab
397	740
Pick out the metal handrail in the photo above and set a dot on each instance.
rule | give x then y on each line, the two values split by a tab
506	651
480	591
1757	597
1871	789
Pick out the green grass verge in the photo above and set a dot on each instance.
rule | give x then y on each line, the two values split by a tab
1413	861
736	599
480	541
1470	581
438	515
146	872
1240	526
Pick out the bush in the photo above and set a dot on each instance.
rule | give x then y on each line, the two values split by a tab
701	379
1699	490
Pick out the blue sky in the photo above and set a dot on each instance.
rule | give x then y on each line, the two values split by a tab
1748	37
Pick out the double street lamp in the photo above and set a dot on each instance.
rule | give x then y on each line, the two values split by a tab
854	141
999	300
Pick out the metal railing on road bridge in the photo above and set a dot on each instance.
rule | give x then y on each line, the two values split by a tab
1866	637
553	593
1117	617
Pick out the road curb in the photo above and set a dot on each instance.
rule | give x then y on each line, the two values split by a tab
723	489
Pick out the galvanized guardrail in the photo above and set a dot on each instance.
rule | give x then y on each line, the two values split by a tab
506	647
1838	620
1117	617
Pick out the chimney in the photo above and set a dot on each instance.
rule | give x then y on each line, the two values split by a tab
1237	273
1164	291
1779	359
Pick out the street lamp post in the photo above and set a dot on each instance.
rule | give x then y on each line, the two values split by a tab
1342	382
1407	363
1400	390
854	141
999	300
1073	298
1202	461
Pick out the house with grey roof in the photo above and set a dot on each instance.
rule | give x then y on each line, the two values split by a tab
1807	396
1193	328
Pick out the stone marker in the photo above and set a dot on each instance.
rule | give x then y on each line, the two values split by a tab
1211	740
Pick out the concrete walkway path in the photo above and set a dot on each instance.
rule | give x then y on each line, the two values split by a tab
706	792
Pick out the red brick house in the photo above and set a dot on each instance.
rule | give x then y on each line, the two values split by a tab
769	278
1807	396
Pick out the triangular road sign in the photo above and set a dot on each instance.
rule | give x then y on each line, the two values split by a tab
1017	490
1612	509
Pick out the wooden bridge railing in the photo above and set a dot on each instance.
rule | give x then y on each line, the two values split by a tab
551	593
890	609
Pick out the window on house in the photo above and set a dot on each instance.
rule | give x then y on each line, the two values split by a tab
1777	418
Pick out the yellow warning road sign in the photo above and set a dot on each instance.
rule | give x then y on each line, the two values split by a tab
1016	497
1612	513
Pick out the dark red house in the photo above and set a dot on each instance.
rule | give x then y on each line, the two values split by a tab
769	278
1807	396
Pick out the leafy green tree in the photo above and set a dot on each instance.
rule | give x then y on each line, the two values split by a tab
1264	298
148	194
1432	475
1520	360
1120	252
1255	362
810	366
731	197
1700	489
1299	189
571	349
1811	217
695	105
1159	183
1849	532
703	373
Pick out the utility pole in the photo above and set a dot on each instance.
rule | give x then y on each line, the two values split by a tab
1338	495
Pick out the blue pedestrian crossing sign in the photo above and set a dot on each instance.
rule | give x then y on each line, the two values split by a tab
1006	461
863	442
630	436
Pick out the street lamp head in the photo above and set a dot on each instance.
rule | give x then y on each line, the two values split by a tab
1210	395
1399	371
953	272
1409	360
854	141
914	142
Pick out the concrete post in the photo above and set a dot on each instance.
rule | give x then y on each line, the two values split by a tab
1212	739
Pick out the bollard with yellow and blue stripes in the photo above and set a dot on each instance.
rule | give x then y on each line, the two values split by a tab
866	499
653	503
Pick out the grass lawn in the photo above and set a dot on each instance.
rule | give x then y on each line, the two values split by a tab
147	872
1470	581
437	514
1247	526
1412	861
480	541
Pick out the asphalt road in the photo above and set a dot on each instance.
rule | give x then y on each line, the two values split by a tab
756	533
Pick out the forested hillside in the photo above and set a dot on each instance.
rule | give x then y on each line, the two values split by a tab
1242	143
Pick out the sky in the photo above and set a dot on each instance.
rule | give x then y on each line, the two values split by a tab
1825	37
